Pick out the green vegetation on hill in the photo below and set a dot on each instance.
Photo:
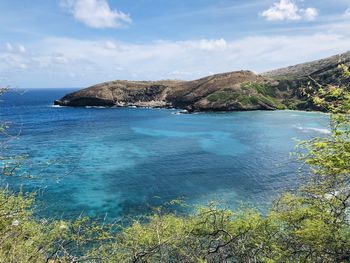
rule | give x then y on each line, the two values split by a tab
262	88
266	94
223	96
310	224
250	93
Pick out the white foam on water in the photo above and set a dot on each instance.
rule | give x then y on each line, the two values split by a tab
319	130
56	106
95	107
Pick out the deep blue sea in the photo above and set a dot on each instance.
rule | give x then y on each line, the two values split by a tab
119	162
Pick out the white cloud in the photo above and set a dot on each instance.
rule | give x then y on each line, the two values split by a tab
96	13
347	13
22	66
179	73
21	49
209	45
110	45
309	13
9	47
12	48
289	10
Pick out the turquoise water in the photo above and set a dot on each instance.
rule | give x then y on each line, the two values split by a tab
123	161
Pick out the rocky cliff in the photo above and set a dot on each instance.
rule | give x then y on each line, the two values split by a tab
289	87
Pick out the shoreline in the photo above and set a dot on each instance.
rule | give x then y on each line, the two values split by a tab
186	111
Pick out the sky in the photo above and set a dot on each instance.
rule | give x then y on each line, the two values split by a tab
78	43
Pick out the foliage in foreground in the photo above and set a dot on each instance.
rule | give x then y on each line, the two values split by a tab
309	225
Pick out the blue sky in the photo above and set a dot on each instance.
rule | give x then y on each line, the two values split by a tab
77	43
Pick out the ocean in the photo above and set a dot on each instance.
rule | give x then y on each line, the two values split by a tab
115	162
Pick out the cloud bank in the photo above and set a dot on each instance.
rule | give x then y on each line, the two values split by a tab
74	62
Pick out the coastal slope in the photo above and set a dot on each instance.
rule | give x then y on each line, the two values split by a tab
289	87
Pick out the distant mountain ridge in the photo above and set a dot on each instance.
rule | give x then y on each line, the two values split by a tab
234	91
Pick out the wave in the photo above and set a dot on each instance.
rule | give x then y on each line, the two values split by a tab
181	112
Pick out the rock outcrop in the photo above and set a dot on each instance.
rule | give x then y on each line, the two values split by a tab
241	90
